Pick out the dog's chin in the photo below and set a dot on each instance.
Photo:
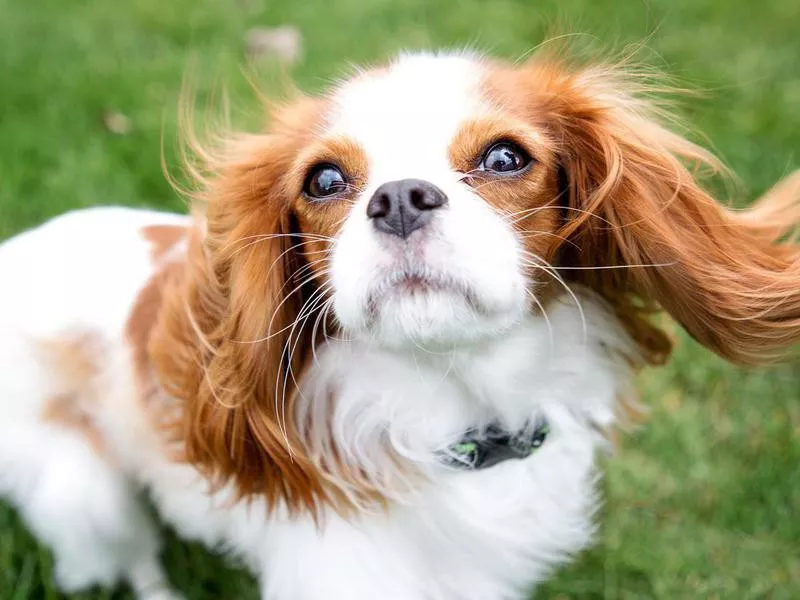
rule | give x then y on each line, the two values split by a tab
436	317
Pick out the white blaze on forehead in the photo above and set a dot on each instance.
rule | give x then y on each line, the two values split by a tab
406	115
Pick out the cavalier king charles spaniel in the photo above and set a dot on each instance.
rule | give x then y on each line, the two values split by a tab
380	357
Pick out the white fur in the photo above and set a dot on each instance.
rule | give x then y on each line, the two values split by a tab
451	535
405	119
78	273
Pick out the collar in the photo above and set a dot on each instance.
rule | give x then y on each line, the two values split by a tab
484	448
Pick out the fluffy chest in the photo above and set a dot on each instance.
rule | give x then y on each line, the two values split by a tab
451	533
369	402
445	533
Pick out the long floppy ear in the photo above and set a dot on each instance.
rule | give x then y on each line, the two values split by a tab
731	278
224	345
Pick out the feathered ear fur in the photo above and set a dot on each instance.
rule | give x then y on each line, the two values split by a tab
225	345
731	278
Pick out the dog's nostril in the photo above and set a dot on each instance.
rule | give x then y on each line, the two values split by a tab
426	197
418	200
379	206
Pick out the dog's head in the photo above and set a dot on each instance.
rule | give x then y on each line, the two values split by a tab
439	201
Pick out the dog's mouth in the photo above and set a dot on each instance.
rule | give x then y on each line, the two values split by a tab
411	283
418	284
419	281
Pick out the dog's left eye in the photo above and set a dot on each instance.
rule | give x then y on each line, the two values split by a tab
504	157
323	181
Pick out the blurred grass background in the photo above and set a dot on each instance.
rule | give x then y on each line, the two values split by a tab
704	500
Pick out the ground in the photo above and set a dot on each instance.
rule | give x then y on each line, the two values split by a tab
702	500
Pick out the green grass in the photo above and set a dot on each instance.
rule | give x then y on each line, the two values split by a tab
702	501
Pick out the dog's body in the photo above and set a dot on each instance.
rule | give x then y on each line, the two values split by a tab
483	534
336	481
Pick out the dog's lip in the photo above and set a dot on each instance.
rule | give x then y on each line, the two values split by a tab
419	280
410	282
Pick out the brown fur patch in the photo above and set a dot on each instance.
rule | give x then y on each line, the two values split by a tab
323	219
72	361
640	229
528	201
163	238
72	358
140	324
219	344
148	303
67	411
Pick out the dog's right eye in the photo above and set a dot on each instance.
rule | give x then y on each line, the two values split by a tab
324	181
504	157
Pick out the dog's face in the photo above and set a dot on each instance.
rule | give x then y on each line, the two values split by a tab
440	200
437	201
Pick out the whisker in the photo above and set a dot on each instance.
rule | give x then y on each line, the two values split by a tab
297	288
325	333
313	236
549	269
548	204
534	234
286	297
546	319
603	267
303	270
521	215
467	174
279	257
280	402
567	208
309	306
341	221
256	239
534	257
427	350
322	314
451	364
308	266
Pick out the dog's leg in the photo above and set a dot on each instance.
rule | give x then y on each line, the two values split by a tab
74	501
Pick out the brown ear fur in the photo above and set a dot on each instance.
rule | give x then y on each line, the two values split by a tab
731	278
224	345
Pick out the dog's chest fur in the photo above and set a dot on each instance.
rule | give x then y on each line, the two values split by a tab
447	533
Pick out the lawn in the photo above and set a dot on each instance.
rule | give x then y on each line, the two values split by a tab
703	501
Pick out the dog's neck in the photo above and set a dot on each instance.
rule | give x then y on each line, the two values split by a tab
374	402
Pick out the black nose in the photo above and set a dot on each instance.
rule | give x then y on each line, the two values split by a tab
400	207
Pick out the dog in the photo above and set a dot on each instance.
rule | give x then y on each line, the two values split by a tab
380	356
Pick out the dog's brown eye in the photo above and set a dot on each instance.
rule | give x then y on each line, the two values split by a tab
324	181
504	157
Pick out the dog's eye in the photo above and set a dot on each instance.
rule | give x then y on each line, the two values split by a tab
323	181
504	157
